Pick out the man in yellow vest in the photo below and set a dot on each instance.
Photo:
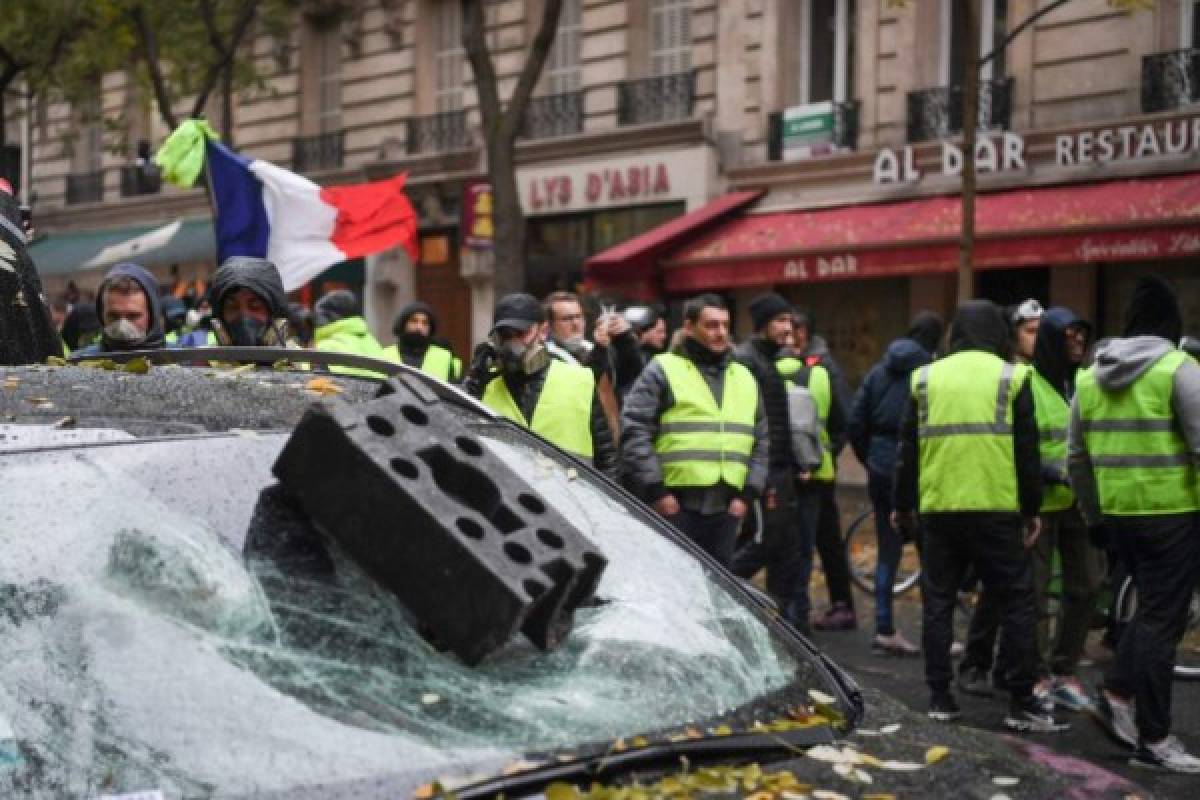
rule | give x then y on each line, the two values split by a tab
694	433
515	376
1134	460
340	328
415	328
969	463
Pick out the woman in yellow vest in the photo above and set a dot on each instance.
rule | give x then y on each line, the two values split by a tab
515	376
1134	461
415	327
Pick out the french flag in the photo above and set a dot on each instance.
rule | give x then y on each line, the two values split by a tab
265	211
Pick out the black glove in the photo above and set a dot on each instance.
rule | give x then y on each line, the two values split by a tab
480	373
1101	536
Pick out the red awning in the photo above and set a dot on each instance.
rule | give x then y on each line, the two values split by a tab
1128	220
632	265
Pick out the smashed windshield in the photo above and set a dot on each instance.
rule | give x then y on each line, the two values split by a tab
170	621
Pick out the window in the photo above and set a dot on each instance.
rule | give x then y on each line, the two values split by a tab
993	28
87	156
1189	24
670	37
448	89
827	50
562	70
329	80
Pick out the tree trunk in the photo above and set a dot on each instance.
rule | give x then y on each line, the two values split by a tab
7	77
509	219
970	122
227	106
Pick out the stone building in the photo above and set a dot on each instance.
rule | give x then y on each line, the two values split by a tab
732	145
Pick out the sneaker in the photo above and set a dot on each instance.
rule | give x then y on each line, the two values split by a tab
1041	693
943	707
893	645
1115	717
1169	755
1028	715
838	618
974	681
1069	693
957	650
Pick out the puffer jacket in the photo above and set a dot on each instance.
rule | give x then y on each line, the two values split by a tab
758	355
879	406
645	404
349	335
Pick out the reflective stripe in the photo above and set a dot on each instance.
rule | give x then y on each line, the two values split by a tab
1053	434
964	428
1006	374
716	456
706	427
1127	425
1176	460
923	394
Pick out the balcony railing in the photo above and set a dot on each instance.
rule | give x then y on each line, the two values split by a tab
320	152
140	179
10	165
938	113
553	115
844	135
1170	80
87	187
660	99
438	133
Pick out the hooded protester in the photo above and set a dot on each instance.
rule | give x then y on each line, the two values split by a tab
340	328
249	307
415	328
873	430
130	311
1134	461
514	374
27	335
968	461
81	327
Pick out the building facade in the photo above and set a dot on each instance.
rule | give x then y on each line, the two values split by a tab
651	109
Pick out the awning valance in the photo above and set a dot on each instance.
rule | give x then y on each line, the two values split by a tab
179	242
1128	220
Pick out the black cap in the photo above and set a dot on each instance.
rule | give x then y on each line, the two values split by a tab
518	310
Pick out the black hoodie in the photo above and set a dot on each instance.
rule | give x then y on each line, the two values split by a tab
1050	357
154	337
978	325
256	274
26	333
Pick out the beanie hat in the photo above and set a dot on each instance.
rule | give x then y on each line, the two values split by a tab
767	307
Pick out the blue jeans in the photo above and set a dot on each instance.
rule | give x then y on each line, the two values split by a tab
889	547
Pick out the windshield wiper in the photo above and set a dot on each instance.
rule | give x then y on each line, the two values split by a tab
606	766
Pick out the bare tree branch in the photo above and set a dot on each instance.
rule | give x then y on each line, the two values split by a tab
474	39
543	40
150	55
226	53
1017	31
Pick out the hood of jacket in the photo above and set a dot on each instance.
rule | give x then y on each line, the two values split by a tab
1120	362
406	313
1050	357
155	335
256	274
1153	310
904	355
926	330
355	327
338	304
979	325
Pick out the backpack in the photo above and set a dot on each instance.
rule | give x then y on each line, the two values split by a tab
805	425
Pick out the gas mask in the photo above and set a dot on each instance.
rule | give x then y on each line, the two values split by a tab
518	358
123	333
247	331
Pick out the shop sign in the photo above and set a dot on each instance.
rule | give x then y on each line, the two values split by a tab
1006	153
478	222
607	186
807	131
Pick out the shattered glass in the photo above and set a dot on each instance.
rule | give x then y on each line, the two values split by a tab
170	621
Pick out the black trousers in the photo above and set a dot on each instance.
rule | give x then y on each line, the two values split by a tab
991	544
832	548
1163	554
715	533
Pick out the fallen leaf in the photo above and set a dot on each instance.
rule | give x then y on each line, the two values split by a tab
424	792
639	741
429	698
561	791
723	730
56	361
324	386
519	766
137	366
1005	781
892	728
821	697
879	797
935	754
826	794
901	766
867	732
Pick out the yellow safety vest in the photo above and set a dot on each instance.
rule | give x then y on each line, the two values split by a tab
564	409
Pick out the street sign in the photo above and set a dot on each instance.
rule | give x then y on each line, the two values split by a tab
808	131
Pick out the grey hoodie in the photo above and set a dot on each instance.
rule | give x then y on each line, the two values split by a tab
1120	362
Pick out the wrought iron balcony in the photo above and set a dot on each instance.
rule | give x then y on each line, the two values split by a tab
553	115
1170	80
660	99
844	135
438	133
320	152
10	165
938	113
140	179
87	187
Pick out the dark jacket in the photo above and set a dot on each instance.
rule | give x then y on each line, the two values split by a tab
979	325
758	355
526	390
647	401
26	333
412	349
818	354
879	406
1050	350
155	336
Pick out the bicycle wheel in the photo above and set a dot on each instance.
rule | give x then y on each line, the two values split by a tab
862	552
